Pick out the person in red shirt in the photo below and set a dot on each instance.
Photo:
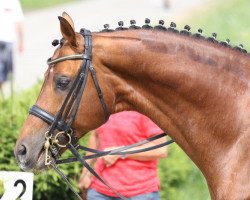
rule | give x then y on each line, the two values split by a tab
134	176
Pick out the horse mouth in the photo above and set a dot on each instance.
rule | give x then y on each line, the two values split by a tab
40	163
36	165
41	160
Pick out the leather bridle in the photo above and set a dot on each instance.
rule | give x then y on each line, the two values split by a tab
64	118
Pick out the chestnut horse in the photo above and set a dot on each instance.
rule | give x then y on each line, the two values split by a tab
195	89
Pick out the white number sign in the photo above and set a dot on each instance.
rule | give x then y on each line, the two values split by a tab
17	185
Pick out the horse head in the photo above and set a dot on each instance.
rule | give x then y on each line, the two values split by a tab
65	66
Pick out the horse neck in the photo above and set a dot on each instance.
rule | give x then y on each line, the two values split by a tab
191	88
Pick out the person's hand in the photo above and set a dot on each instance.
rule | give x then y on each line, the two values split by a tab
85	181
20	47
109	160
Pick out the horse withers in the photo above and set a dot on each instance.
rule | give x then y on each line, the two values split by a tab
194	88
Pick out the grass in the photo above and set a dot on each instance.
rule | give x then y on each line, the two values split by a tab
230	19
28	5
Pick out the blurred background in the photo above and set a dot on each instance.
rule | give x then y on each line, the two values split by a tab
180	178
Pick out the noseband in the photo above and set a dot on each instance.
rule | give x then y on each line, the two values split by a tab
64	118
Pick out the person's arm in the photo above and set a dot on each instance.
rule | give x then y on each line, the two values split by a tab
144	156
18	20
85	178
20	37
149	155
148	128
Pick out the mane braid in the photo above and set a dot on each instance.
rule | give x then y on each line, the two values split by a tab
185	32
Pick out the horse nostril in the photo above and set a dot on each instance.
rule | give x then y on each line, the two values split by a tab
22	150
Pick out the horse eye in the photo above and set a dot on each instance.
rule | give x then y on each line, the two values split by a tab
62	82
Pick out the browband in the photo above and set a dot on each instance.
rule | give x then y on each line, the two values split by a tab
68	57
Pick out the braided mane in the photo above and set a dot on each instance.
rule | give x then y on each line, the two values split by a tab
172	28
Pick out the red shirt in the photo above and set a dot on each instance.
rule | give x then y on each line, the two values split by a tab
129	177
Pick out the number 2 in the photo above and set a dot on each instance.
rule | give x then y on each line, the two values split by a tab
24	187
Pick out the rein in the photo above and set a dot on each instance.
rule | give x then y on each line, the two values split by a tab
68	111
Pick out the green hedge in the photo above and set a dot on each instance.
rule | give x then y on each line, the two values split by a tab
180	179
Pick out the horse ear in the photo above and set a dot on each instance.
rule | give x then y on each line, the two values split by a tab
67	31
69	19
